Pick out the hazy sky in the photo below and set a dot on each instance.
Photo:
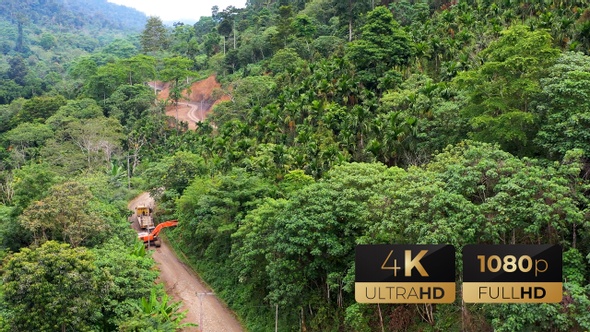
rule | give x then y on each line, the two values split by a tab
186	11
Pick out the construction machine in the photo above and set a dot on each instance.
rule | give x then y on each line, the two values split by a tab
144	217
152	237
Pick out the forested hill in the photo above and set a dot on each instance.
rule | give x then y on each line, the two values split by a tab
72	14
50	34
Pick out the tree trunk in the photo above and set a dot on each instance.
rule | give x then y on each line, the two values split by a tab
19	39
349	20
380	318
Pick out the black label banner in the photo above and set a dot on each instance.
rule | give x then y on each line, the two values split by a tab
405	263
512	274
512	263
405	274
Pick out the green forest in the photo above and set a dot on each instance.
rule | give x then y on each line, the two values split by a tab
337	123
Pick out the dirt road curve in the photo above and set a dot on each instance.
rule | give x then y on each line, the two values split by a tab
183	285
187	112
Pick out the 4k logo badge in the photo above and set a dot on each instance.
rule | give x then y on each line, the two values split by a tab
405	274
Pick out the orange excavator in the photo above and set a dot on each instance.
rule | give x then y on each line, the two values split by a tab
152	237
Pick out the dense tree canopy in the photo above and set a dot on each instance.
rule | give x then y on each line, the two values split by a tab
502	89
52	287
564	105
383	46
329	124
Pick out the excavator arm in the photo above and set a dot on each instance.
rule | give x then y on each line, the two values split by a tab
154	234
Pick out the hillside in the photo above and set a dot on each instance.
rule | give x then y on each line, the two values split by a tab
343	123
68	14
78	24
51	34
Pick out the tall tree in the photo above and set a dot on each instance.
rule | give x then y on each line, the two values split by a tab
105	81
284	27
564	106
51	288
98	138
26	139
39	109
18	69
177	70
66	214
304	28
80	109
175	172
32	183
184	40
349	11
140	69
501	90
383	46
154	36
226	27
130	278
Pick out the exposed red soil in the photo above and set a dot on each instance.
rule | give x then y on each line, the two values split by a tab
199	102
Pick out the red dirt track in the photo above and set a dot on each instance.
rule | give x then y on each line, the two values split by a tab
182	284
199	103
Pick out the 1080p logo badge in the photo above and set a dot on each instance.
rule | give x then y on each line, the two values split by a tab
405	274
512	274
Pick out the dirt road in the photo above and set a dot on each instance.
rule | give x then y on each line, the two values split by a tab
199	100
192	113
183	285
187	112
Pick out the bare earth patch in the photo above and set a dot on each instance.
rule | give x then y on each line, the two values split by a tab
198	104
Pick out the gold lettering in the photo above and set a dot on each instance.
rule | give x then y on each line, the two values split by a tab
414	263
394	267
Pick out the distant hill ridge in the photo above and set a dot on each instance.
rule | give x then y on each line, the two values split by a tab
72	13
